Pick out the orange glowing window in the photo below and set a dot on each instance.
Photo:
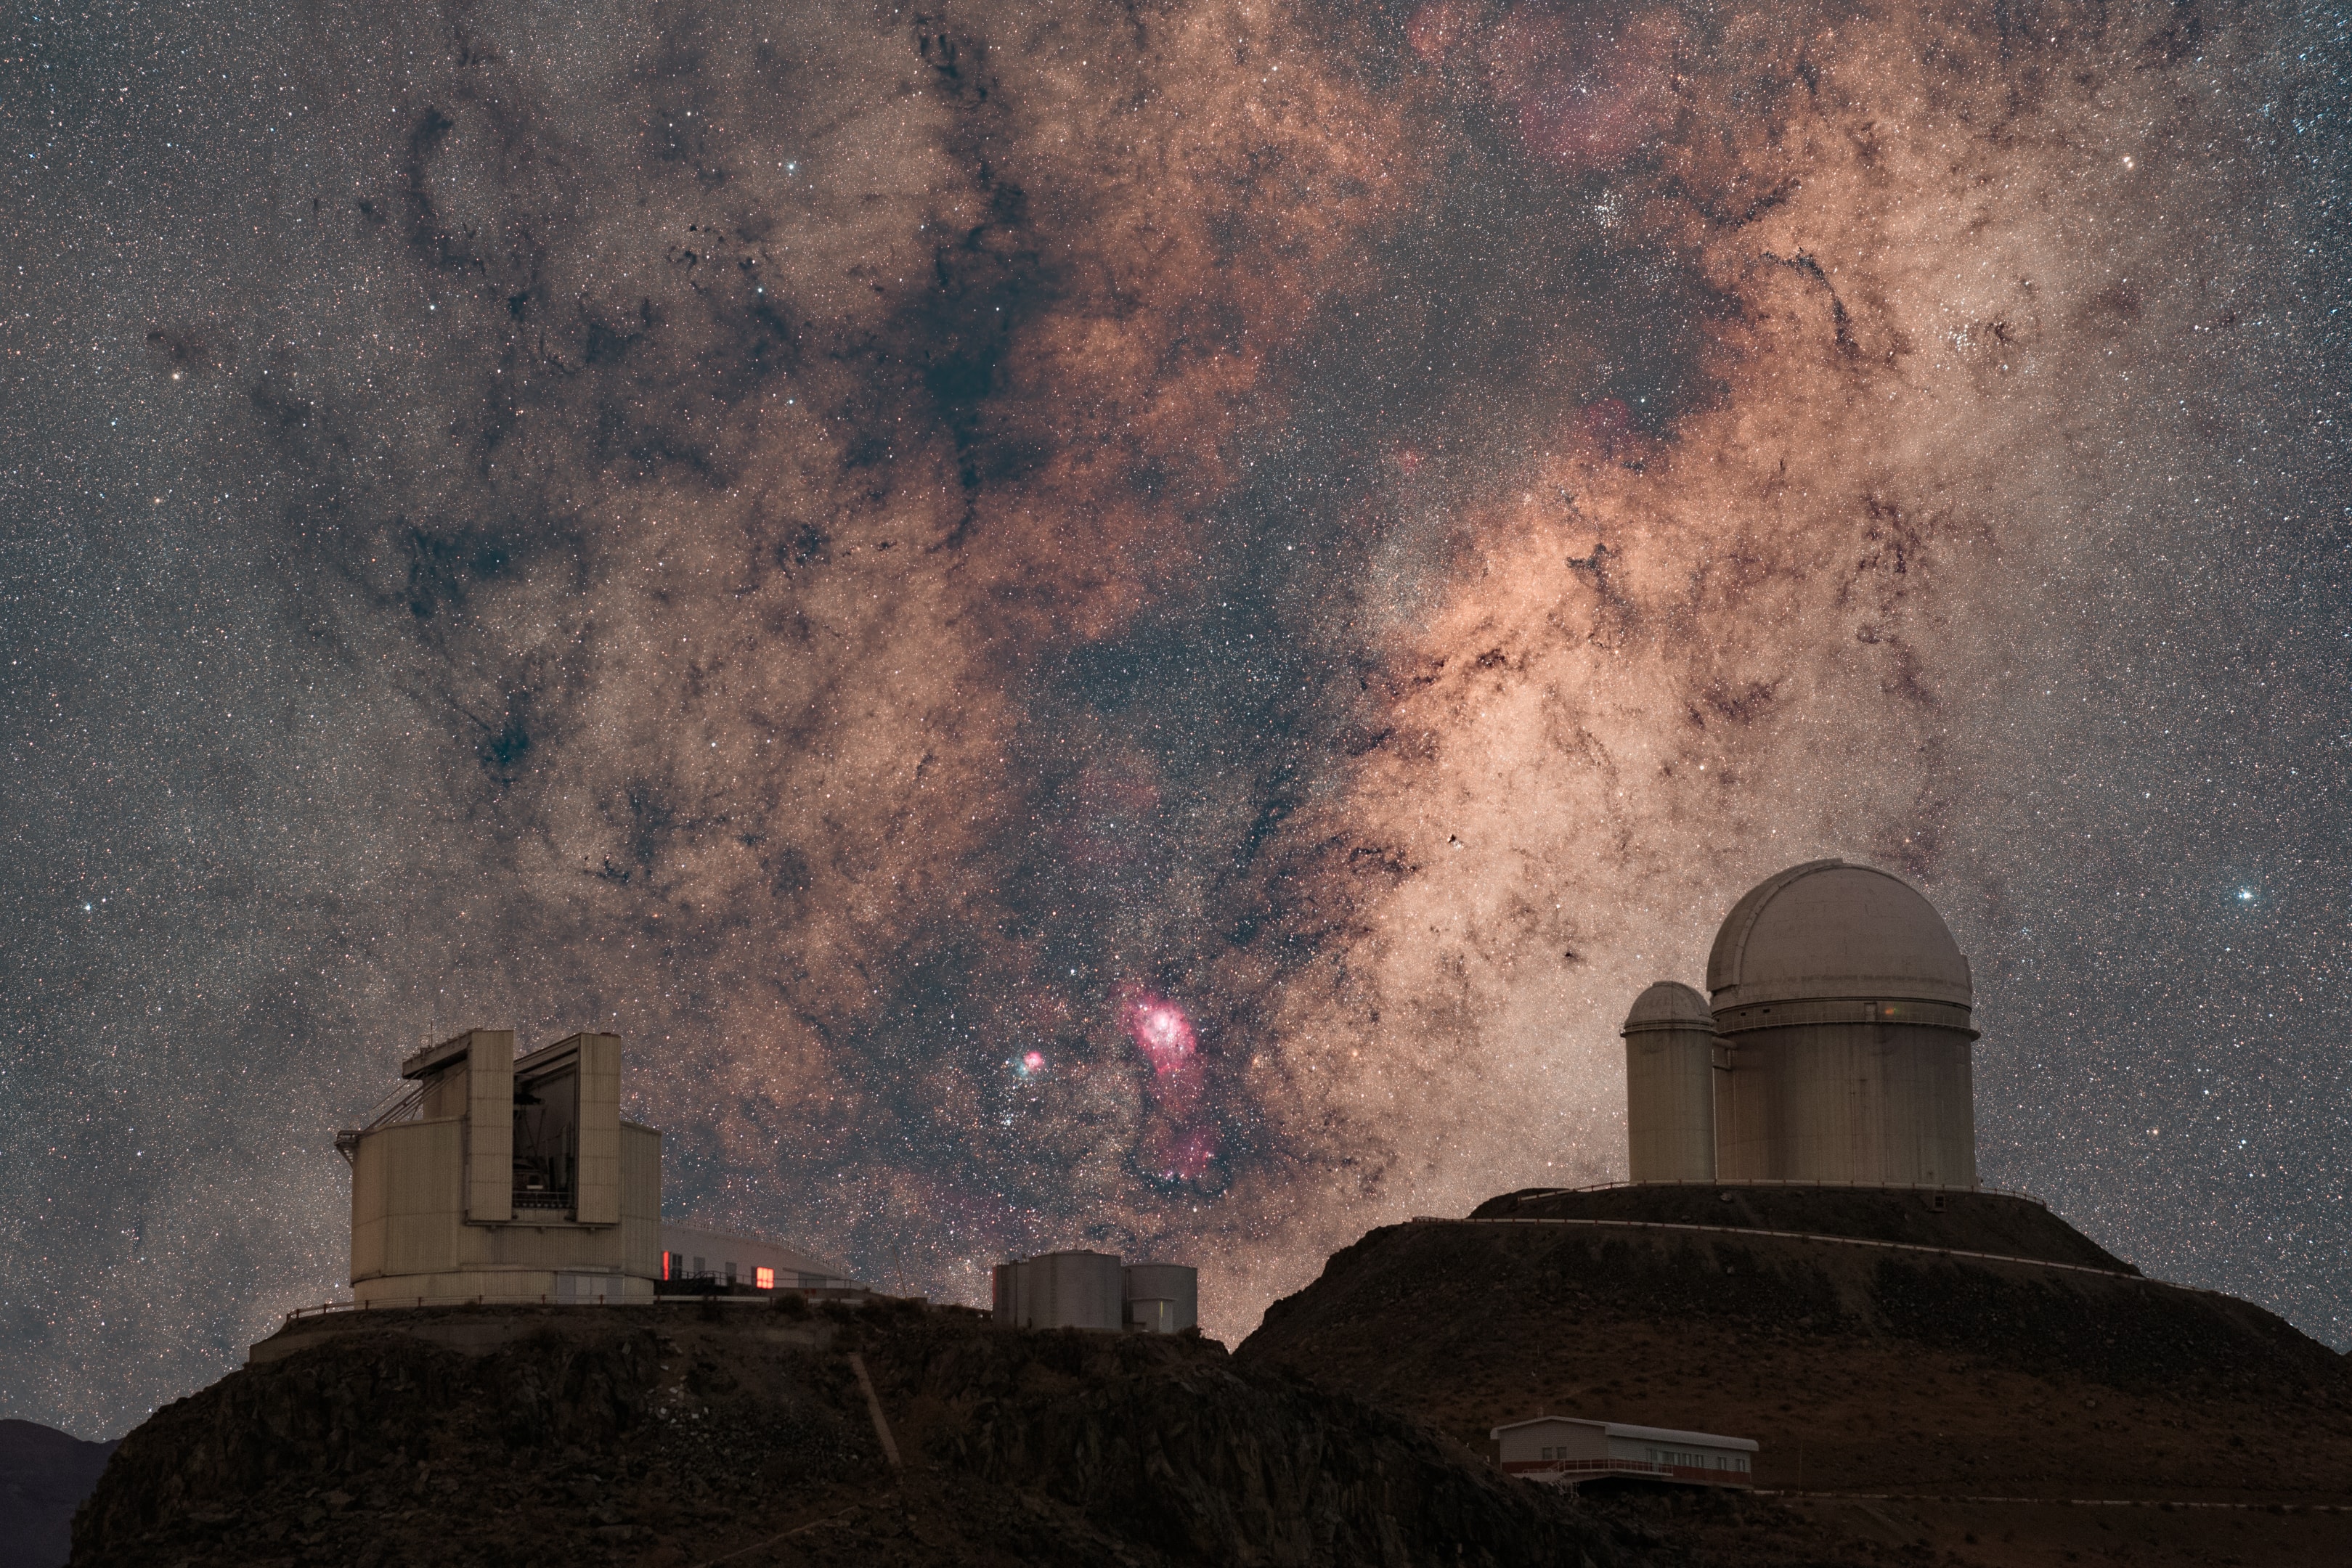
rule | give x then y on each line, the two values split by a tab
765	1278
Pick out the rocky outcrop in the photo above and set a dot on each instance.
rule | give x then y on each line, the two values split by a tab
1169	1443
674	1435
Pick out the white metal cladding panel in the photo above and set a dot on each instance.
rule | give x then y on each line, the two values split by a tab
641	1200
1565	1439
1174	1286
1865	1102
1024	1293
597	1198
1085	1291
489	1126
581	1288
1066	1290
1745	1132
1670	1104
413	1196
1582	1442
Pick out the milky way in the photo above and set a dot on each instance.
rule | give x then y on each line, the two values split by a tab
1135	627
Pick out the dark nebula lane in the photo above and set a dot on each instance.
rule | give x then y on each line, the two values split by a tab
1133	626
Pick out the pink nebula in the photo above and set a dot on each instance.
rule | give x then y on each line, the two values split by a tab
1161	1031
1176	1147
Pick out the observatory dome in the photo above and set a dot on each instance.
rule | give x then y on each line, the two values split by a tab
1669	1004
1828	930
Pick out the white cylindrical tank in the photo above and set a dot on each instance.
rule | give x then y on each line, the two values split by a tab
1670	1085
1062	1290
1844	1007
1162	1298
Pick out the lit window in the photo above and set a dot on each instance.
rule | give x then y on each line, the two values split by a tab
764	1278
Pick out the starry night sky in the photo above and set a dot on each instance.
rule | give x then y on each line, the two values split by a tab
1134	626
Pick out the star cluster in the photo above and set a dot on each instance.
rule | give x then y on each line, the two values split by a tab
1134	626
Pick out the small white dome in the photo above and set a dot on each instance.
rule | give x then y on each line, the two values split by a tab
1669	1004
1826	929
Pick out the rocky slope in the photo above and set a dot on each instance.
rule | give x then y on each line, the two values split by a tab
1861	1370
678	1435
43	1475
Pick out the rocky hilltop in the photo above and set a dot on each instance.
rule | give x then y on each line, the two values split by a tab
678	1435
1945	1381
1879	1345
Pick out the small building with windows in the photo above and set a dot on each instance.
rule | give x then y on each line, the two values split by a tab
1564	1451
719	1259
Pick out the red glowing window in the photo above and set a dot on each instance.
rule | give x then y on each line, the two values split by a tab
665	1258
764	1278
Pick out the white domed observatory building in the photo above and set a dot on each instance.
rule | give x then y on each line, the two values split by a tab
1832	1046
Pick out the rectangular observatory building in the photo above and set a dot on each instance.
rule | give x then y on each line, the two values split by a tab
493	1179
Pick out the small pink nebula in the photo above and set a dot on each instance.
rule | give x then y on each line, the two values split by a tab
1034	1061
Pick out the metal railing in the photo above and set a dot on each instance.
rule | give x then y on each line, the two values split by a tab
410	1303
1536	1470
400	1105
322	1308
2126	1271
1772	1182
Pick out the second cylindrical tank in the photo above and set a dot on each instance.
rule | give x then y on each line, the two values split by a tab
1162	1298
1670	1085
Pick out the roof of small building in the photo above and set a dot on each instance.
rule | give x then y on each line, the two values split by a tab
1639	1434
1829	930
1668	1004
